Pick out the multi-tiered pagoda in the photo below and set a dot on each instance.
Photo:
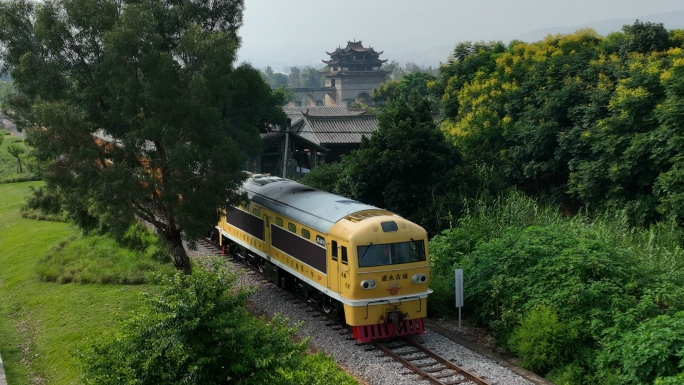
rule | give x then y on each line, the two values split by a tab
354	71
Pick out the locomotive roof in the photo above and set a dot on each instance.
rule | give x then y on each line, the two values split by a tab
314	208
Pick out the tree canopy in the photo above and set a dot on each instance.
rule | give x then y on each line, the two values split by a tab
136	109
588	120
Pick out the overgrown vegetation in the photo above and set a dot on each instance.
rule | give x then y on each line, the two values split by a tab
208	337
571	296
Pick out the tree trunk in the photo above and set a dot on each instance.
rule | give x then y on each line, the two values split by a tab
18	165
174	244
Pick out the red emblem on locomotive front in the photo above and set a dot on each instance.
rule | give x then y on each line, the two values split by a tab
394	288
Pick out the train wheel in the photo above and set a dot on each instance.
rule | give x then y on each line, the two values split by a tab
327	306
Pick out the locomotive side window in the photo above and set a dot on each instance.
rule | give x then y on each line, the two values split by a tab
256	212
344	255
333	246
279	222
306	234
291	227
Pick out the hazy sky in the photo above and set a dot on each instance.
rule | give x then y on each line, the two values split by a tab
271	26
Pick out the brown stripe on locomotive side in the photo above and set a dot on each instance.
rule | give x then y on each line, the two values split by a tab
299	248
250	224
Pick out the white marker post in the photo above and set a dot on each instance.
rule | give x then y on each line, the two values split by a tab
458	283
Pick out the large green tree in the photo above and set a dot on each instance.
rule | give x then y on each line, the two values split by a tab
136	109
407	166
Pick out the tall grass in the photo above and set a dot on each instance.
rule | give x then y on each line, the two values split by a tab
99	259
659	244
656	248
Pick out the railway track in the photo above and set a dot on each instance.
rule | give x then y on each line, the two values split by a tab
418	359
426	363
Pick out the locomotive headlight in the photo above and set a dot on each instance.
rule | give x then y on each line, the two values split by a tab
368	284
419	278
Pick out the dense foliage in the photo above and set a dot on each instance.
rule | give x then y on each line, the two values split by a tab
586	120
155	81
196	330
579	300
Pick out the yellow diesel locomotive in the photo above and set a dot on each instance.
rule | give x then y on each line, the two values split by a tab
367	266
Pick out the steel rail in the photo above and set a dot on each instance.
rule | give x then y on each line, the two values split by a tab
426	370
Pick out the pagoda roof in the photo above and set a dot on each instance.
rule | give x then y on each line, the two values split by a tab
354	47
350	60
354	73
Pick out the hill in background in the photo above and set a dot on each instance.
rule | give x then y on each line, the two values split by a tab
671	20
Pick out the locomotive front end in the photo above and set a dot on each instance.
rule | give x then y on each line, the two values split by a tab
386	278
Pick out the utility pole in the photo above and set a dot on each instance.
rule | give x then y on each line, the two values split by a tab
285	149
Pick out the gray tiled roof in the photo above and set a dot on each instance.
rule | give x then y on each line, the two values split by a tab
338	129
297	113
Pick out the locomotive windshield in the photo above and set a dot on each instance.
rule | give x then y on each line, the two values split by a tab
391	253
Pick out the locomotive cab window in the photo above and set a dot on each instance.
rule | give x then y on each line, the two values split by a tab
256	211
344	256
291	227
279	222
306	234
333	246
391	253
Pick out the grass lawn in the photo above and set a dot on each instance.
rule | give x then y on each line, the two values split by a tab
43	322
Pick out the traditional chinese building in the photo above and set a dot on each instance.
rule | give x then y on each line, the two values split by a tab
354	72
315	135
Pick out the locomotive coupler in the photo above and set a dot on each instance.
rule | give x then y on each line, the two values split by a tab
397	318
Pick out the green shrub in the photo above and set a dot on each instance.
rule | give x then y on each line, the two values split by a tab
542	341
481	222
316	369
571	374
604	278
198	331
672	380
654	349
